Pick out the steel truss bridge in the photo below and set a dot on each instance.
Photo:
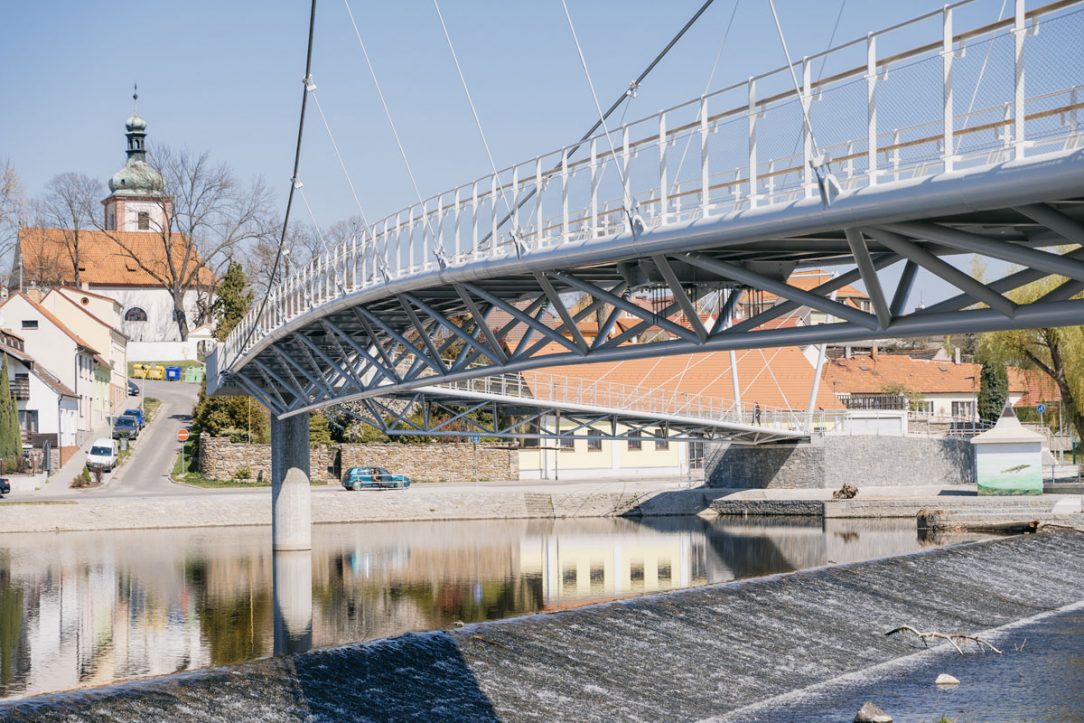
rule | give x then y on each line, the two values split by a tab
549	406
967	144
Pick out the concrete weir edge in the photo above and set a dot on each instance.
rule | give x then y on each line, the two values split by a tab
653	656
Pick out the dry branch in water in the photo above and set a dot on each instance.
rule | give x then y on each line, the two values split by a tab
951	637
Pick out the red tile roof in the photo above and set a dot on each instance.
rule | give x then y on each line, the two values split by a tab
775	378
44	259
871	374
1036	385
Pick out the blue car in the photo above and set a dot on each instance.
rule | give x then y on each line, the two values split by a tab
374	478
138	414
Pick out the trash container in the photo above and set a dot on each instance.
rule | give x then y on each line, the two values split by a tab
173	374
139	371
156	372
193	375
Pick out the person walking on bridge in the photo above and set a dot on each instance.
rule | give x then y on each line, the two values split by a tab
756	413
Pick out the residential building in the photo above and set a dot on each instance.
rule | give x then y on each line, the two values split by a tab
73	360
48	410
935	389
132	260
101	335
773	379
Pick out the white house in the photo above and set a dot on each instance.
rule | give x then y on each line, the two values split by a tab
48	410
101	335
69	357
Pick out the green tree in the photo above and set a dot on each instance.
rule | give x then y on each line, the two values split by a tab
993	389
1059	352
240	418
234	298
319	431
11	438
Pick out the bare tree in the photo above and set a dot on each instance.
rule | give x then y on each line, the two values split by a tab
208	215
11	208
302	243
70	204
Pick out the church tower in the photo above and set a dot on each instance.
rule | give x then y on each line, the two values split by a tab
137	200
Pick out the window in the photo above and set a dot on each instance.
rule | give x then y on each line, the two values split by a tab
568	442
922	408
135	314
636	441
661	442
143	221
30	323
28	420
963	410
594	441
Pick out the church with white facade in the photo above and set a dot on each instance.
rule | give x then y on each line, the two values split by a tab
126	259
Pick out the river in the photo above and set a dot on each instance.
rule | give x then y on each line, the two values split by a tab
85	609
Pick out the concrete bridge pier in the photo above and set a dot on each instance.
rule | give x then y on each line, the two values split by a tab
293	601
291	506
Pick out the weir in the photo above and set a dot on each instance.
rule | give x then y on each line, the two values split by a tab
687	655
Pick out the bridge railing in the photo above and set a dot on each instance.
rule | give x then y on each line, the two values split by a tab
600	395
877	116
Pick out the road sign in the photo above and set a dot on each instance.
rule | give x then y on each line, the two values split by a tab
1040	408
182	435
475	439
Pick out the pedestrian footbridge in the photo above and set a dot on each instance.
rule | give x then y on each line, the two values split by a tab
966	143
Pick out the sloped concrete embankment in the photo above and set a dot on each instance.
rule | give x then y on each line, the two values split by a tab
685	655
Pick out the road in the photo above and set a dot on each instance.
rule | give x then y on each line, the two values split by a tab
146	472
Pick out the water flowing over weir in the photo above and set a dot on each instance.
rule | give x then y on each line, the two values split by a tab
685	655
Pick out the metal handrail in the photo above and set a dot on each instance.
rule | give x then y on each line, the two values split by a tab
430	234
557	389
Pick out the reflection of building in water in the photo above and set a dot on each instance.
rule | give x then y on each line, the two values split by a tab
88	615
592	566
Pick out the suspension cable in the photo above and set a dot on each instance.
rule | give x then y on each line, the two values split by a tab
293	180
826	182
707	87
342	163
598	108
383	101
470	102
628	93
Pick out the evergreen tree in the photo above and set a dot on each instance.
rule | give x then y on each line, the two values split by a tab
11	438
319	431
993	390
234	298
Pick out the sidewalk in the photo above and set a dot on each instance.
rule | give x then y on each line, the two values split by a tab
61	481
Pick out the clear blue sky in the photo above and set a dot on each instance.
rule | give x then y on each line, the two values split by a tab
224	76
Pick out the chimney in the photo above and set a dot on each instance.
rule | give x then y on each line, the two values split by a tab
956	355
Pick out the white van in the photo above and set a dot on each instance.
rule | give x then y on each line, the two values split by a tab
102	455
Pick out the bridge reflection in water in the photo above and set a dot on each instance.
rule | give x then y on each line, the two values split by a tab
81	609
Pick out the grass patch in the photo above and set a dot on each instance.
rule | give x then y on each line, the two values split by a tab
151	407
38	502
197	479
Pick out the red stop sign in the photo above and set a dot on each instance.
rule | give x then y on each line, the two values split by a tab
182	435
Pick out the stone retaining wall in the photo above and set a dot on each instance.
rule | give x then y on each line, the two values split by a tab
219	458
829	462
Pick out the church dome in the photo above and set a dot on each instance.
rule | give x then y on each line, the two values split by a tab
137	178
136	123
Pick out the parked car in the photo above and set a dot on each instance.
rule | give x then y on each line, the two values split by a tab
5	486
138	414
374	478
133	389
102	455
126	427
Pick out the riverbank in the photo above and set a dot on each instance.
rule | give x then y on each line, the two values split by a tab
187	506
191	507
735	649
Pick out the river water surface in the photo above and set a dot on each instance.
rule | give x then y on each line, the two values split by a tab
80	609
